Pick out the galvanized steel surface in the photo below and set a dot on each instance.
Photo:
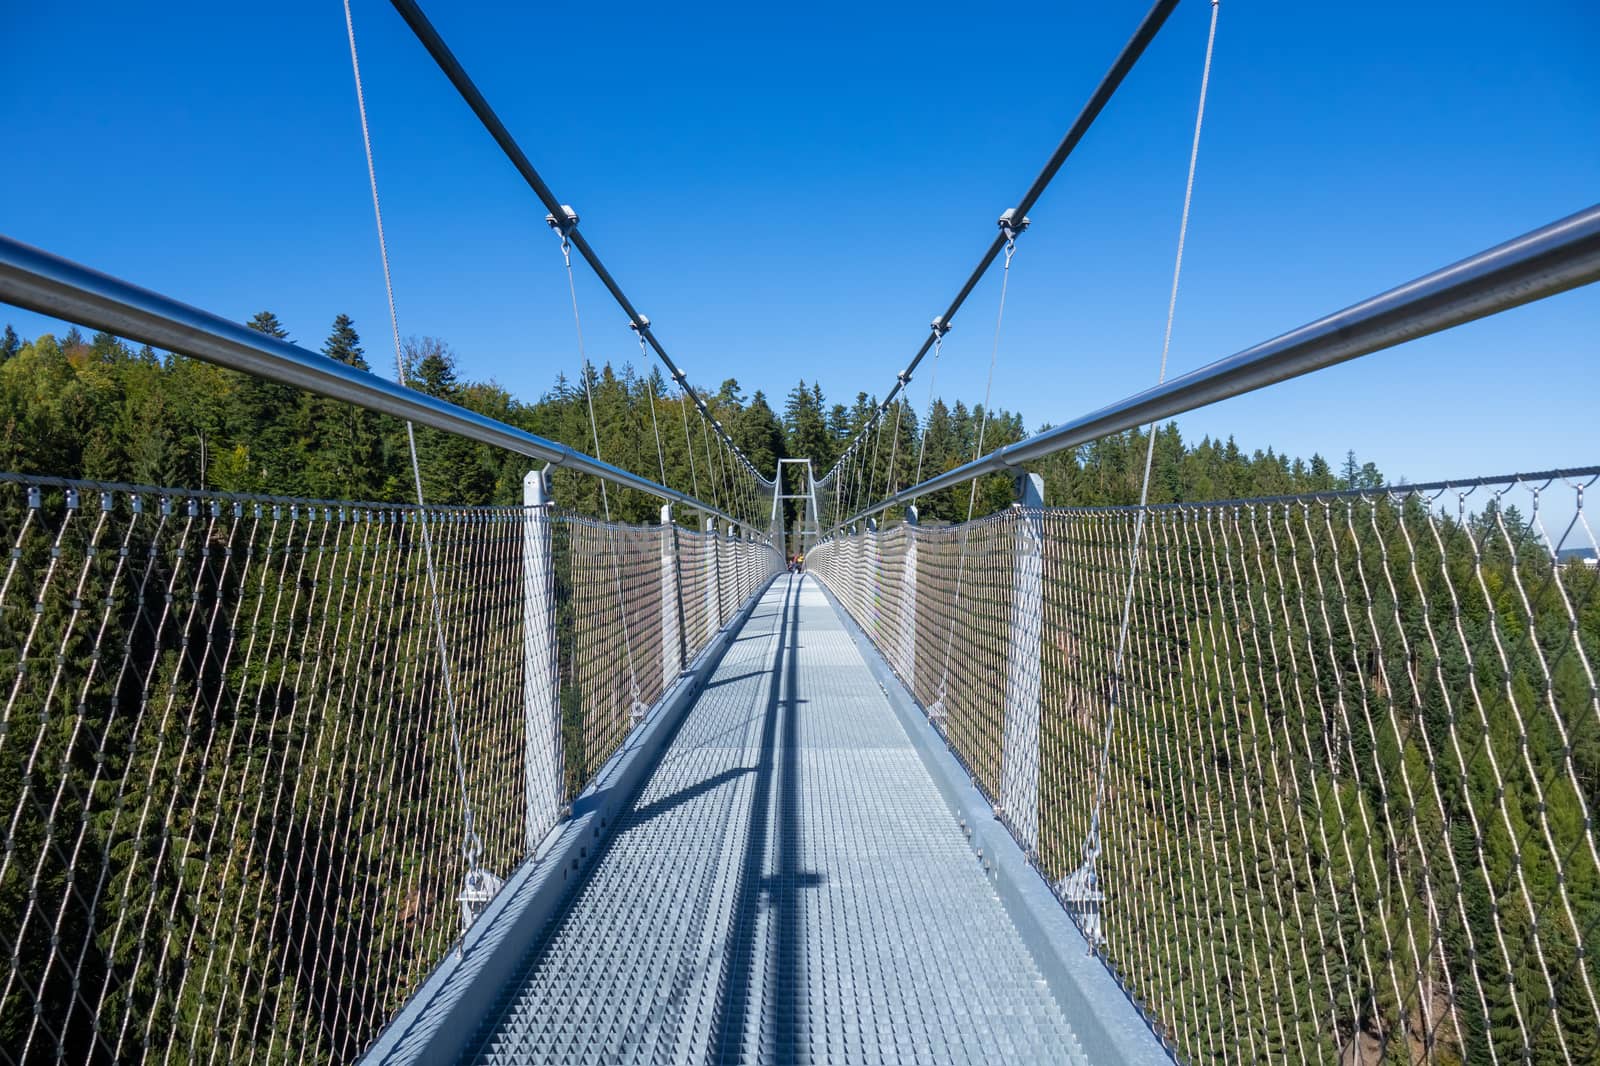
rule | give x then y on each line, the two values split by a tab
1350	796
233	823
789	887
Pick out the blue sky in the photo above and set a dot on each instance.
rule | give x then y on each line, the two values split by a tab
795	191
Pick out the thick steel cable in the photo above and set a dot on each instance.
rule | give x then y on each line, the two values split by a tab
1120	67
457	75
473	845
1091	844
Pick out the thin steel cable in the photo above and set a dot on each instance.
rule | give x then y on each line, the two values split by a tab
688	443
933	375
1091	844
650	389
472	846
594	432
983	425
894	450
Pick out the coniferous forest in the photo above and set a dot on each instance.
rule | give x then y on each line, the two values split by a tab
99	409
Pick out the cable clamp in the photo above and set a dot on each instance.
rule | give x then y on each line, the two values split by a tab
939	326
566	224
1011	226
640	324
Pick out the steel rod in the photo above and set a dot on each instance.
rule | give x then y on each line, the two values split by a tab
1549	260
38	281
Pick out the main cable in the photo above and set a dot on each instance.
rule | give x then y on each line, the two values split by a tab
1146	32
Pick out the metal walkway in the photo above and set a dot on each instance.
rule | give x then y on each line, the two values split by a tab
788	887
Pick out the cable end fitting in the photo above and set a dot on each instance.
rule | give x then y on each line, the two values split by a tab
566	223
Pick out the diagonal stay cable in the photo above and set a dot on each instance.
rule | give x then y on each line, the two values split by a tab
472	845
1091	844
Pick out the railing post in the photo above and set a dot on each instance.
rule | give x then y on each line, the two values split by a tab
908	605
672	650
713	581
871	585
541	703
1019	750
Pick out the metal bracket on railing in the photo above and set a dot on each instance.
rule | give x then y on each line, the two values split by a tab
477	892
1080	892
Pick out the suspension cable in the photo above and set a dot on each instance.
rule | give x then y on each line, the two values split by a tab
1146	32
456	74
472	843
650	388
1091	844
688	442
892	483
1009	232
563	229
940	328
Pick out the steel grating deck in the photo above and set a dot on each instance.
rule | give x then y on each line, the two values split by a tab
789	887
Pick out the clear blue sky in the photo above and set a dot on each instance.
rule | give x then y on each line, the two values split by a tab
795	191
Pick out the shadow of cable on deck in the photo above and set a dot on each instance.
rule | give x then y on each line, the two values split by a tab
776	987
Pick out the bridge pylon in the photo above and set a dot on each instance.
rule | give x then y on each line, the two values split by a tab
810	530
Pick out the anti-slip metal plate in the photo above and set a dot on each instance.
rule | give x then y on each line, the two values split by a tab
788	887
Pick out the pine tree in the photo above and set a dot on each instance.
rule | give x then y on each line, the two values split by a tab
273	458
344	344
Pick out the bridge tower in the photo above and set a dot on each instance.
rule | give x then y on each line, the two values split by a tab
809	528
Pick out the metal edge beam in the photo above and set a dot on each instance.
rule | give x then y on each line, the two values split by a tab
1109	1025
446	1014
38	281
1552	259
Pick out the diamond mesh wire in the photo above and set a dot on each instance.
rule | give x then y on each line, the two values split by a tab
1348	807
233	821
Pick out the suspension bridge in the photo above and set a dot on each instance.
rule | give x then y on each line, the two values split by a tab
1303	778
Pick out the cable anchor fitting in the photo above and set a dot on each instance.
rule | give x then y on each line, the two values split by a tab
1011	227
939	326
566	224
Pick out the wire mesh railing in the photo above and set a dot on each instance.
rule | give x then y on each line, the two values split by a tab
236	822
1345	811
